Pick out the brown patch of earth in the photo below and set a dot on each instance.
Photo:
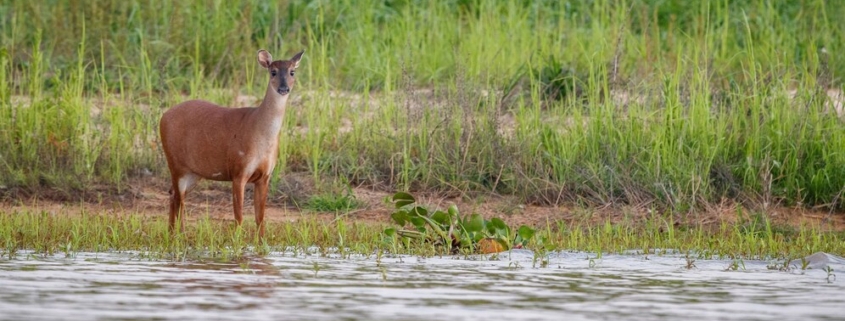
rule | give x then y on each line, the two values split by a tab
148	196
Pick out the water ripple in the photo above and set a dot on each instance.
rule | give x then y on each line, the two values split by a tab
283	287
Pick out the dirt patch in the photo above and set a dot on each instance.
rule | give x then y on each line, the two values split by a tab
148	196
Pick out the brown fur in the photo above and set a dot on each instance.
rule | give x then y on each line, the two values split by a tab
202	140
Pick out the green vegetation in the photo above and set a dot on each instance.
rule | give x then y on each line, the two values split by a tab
333	203
520	98
668	104
45	233
672	103
451	230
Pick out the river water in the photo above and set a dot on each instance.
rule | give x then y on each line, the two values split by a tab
512	286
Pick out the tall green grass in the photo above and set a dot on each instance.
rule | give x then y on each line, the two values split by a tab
513	97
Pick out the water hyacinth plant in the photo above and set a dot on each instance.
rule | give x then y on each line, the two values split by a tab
449	228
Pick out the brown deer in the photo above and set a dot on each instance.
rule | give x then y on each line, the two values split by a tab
240	145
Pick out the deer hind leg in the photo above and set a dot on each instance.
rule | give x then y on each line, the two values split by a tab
260	201
175	204
181	186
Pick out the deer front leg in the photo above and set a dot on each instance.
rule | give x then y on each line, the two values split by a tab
260	196
238	185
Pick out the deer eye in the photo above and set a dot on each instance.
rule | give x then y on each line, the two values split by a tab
291	73
273	73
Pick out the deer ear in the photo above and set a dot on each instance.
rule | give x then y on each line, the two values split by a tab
264	58
295	59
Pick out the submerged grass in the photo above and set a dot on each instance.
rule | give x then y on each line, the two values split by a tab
41	233
672	103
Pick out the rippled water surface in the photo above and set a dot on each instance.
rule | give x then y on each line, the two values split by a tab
286	287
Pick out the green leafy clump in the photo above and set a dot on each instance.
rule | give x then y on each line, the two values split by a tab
448	228
559	81
330	202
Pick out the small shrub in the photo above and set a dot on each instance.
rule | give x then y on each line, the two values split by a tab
558	81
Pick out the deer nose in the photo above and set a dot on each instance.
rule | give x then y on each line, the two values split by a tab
283	90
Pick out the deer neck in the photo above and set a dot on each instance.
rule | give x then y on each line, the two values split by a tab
270	113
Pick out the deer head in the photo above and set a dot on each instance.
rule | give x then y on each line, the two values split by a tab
281	71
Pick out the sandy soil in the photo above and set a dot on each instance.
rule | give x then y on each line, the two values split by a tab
148	196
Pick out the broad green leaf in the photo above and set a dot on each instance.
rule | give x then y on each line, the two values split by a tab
403	196
497	227
400	217
401	199
526	233
417	221
401	203
474	224
389	232
419	210
498	224
453	210
440	217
